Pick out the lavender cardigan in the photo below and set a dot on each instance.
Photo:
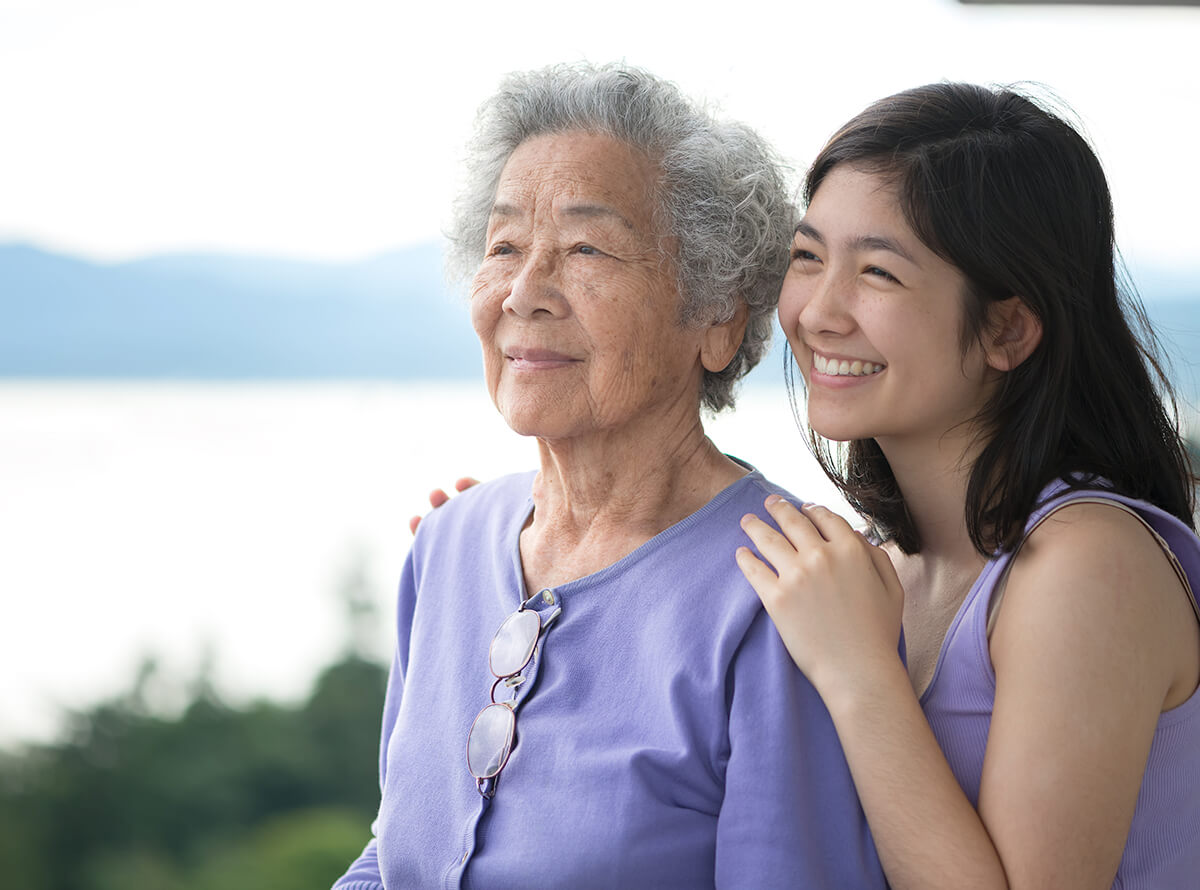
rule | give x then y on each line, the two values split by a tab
665	738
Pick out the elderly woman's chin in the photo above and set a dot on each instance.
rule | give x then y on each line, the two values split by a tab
571	404
554	413
534	404
541	414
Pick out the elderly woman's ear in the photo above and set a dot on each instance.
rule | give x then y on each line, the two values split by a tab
720	341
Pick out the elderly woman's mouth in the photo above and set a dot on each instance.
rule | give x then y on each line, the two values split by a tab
538	359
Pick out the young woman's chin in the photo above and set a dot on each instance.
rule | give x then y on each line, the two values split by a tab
833	416
837	429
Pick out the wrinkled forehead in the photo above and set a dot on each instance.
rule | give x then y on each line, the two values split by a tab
567	210
580	177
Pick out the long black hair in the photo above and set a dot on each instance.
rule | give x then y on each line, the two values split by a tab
1015	198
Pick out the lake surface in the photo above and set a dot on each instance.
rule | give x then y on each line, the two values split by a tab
205	524
211	526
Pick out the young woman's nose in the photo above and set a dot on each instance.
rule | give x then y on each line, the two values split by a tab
825	306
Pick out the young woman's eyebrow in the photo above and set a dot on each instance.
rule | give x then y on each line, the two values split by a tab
878	242
859	242
803	228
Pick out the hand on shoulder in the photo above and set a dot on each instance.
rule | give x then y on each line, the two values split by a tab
834	598
438	496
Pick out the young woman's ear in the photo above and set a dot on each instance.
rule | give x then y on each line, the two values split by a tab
1014	332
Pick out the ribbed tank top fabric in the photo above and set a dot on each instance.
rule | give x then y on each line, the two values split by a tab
1163	847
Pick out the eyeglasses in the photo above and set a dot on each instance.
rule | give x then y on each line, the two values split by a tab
491	738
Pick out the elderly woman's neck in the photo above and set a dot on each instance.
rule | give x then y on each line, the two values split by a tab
597	501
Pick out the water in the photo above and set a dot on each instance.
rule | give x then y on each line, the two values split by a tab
212	524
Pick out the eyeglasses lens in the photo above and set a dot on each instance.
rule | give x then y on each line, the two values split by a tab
490	741
514	643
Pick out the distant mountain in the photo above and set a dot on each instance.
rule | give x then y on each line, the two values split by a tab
228	317
391	317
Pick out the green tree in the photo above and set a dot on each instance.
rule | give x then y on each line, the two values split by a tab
134	800
237	798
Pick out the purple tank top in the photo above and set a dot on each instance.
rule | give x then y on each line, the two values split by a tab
1163	847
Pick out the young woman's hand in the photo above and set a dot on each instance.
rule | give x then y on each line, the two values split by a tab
834	598
438	496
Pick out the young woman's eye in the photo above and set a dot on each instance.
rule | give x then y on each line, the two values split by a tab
882	273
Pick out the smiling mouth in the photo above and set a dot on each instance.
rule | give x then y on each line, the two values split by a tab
844	368
538	359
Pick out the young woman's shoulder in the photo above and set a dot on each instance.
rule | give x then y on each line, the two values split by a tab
1094	639
1097	584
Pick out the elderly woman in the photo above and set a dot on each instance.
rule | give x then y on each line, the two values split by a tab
629	716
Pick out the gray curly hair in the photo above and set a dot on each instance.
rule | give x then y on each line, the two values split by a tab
722	195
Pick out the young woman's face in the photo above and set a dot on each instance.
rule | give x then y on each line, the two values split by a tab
874	318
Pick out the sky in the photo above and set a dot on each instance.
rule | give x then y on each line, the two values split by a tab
334	131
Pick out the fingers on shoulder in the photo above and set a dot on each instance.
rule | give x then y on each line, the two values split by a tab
831	526
749	562
791	519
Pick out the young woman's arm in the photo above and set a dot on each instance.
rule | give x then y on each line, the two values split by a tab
1095	639
1086	651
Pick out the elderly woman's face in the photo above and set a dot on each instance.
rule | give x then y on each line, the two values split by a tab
576	302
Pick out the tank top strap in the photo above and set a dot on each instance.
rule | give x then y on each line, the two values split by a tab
1059	496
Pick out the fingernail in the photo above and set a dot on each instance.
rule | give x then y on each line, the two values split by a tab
772	500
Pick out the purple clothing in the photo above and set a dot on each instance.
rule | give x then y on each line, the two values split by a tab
665	738
1163	847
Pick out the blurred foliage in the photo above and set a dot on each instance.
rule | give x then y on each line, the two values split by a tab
264	796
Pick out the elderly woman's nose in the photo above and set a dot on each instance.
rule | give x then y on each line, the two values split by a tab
535	289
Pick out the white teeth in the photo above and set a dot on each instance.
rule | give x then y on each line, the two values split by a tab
844	368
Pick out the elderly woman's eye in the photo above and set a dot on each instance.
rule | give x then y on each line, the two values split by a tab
799	253
588	250
501	249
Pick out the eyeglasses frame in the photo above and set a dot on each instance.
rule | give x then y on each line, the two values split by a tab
487	784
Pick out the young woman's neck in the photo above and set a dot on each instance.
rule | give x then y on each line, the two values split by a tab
933	476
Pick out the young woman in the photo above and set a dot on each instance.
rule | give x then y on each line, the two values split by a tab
974	388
